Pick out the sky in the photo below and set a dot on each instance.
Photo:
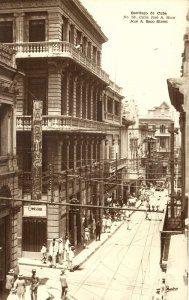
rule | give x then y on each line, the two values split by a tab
140	57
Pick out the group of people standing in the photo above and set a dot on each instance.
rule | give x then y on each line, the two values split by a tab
16	286
60	251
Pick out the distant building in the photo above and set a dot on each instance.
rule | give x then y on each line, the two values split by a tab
156	140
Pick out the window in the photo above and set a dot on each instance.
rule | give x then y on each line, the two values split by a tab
162	143
110	105
36	90
116	108
36	30
6	32
162	128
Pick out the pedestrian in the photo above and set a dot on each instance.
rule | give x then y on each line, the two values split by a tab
163	288
60	251
157	295
86	237
71	256
16	271
53	251
103	224
12	295
64	284
127	217
20	285
66	248
9	281
44	254
34	285
98	231
108	225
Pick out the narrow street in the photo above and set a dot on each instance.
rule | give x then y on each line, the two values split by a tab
125	267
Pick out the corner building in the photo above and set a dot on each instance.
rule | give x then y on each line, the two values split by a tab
58	50
8	165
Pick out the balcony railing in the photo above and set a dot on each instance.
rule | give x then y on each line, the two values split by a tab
112	166
66	123
57	49
112	117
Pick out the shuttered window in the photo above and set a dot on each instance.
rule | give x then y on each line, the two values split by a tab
6	32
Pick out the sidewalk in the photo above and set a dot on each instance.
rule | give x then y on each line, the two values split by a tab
48	276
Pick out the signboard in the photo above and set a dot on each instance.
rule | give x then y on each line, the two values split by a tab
37	151
34	211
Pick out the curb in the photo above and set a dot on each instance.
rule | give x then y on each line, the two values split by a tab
88	256
77	266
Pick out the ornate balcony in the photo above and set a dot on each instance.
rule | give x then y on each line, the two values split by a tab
64	123
112	166
57	49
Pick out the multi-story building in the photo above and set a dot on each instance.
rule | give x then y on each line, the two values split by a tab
175	223
68	118
8	164
157	144
134	172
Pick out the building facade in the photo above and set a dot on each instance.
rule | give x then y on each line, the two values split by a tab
155	128
68	119
8	164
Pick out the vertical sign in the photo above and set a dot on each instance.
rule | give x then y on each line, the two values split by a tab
37	150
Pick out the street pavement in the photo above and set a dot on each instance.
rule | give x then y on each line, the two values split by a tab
50	276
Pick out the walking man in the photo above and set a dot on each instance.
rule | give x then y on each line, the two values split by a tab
44	253
60	251
98	231
108	225
71	256
20	286
103	224
9	281
34	285
53	251
64	284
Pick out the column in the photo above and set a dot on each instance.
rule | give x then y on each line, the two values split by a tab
67	153
14	129
55	26
91	115
86	101
9	133
66	29
75	79
95	103
75	152
81	99
106	154
18	33
54	88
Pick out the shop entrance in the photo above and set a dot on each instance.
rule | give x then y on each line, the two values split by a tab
34	234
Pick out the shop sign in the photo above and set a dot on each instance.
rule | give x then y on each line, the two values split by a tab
34	211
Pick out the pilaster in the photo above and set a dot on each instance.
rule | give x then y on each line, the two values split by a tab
55	26
54	89
19	30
